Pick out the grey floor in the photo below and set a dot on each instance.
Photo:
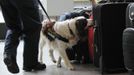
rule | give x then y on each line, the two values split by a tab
80	69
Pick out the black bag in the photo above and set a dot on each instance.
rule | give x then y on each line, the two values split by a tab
115	0
120	0
109	20
128	39
79	52
128	0
70	53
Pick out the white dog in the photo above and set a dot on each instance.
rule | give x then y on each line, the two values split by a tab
68	33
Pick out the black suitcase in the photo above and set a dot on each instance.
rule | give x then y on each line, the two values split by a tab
109	20
128	49
128	39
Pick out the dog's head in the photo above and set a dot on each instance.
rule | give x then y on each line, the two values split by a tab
82	24
47	24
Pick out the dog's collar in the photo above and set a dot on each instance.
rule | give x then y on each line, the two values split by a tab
70	30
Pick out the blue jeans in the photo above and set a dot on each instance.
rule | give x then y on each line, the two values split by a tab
68	15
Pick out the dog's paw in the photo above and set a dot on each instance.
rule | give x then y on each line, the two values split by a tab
71	68
59	65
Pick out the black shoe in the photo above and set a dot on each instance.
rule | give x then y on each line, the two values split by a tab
36	67
11	64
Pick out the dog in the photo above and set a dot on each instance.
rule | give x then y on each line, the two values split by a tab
67	32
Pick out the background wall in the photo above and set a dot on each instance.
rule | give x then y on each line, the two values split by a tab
57	7
1	17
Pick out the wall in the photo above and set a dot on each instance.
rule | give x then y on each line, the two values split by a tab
1	17
57	7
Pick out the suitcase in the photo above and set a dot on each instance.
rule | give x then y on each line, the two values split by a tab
109	20
90	41
128	49
128	39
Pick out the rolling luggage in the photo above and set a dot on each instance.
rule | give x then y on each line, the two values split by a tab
109	20
91	44
128	39
91	40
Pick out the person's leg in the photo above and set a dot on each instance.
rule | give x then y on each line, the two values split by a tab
13	24
78	52
31	29
85	52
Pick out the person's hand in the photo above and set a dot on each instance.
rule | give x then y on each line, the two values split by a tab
49	24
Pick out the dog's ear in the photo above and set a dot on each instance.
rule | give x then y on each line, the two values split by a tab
44	22
80	25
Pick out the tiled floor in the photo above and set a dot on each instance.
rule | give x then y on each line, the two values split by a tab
51	69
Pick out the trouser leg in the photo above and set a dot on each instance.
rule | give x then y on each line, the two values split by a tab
31	31
29	14
30	55
11	42
13	25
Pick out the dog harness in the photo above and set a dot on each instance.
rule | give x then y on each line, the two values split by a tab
52	35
